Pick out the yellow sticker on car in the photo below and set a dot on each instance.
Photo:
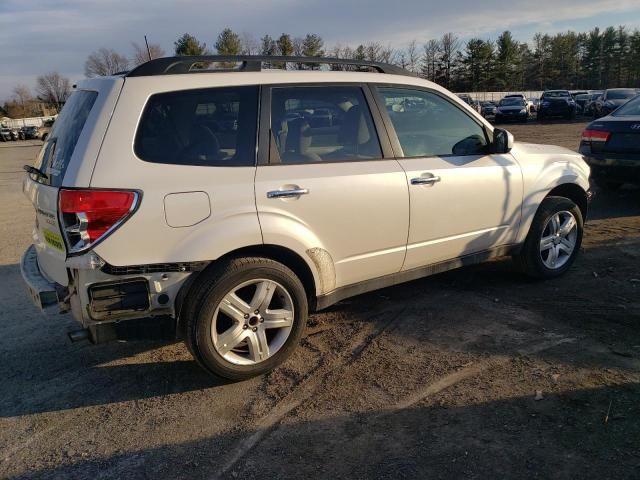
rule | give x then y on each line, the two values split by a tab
53	239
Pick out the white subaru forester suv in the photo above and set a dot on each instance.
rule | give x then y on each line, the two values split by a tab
229	202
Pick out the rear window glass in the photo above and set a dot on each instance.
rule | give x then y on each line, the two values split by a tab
209	127
56	152
629	109
620	94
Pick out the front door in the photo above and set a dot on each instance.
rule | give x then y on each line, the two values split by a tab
463	199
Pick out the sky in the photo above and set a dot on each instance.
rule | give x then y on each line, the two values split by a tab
40	36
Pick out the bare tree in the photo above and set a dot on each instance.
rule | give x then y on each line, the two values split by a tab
250	45
105	61
430	59
387	54
450	44
53	89
372	51
22	100
413	56
141	54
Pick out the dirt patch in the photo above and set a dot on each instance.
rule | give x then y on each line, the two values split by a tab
473	373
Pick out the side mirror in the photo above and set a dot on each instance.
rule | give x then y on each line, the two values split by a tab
502	141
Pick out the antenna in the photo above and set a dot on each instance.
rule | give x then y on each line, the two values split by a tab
147	44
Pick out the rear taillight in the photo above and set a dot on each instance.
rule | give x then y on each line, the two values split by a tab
595	136
88	216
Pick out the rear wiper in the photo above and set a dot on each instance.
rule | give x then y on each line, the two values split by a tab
36	171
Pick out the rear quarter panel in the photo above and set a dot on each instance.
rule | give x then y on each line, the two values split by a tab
147	237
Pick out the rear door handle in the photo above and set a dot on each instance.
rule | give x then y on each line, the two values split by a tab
294	192
425	180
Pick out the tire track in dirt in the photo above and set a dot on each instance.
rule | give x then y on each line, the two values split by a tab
267	425
304	390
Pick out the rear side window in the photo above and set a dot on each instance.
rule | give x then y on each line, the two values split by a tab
428	125
322	124
209	127
56	152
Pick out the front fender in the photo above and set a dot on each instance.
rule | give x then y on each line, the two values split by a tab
538	186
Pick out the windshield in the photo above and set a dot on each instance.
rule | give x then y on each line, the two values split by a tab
558	94
629	109
620	94
511	101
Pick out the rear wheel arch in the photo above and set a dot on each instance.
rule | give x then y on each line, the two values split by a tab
283	255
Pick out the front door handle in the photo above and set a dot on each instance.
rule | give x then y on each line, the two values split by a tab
425	180
294	192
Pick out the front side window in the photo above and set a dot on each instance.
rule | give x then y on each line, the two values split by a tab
322	124
209	127
428	125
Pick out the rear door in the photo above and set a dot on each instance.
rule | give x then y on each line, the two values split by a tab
66	159
463	199
330	184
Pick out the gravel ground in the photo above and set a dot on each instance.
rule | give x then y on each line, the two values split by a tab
476	373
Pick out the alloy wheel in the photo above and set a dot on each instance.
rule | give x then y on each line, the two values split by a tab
558	240
252	322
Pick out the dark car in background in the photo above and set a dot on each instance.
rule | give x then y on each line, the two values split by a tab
488	109
512	109
5	134
611	146
556	103
584	101
466	98
29	132
611	99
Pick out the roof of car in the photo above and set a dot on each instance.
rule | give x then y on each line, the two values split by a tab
247	63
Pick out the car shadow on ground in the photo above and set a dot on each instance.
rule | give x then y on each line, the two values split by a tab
560	436
614	204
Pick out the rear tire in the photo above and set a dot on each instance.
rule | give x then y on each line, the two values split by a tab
554	239
244	317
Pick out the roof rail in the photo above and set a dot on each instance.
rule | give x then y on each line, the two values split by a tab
249	63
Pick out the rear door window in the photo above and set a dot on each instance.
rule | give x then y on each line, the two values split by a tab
322	124
208	127
56	152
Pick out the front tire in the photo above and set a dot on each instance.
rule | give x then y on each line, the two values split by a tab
554	239
244	317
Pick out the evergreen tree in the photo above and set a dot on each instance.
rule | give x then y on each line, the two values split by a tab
228	43
188	45
285	45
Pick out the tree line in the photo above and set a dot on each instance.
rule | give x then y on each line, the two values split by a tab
596	59
51	92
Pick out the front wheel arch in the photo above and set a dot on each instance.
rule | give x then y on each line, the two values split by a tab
573	192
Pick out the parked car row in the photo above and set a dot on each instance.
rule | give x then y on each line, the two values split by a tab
30	132
556	104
